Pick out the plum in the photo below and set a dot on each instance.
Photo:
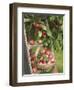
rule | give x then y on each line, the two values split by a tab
32	42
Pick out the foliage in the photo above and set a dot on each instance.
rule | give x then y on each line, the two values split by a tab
52	25
45	30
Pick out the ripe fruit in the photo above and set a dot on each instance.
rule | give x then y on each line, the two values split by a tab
43	51
32	42
37	25
40	41
47	52
44	34
47	56
52	60
42	62
34	69
33	57
50	56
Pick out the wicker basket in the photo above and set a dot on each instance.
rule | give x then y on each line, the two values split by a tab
45	66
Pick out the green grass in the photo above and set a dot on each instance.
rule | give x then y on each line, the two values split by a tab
59	61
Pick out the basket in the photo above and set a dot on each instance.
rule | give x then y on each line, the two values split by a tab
45	66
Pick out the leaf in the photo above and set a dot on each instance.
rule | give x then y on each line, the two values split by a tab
49	33
45	58
39	34
38	57
49	41
44	27
34	49
27	20
51	18
45	44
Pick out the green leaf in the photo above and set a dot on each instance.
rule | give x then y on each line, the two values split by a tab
45	44
49	41
49	33
44	27
34	48
27	20
51	18
39	34
38	56
45	58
